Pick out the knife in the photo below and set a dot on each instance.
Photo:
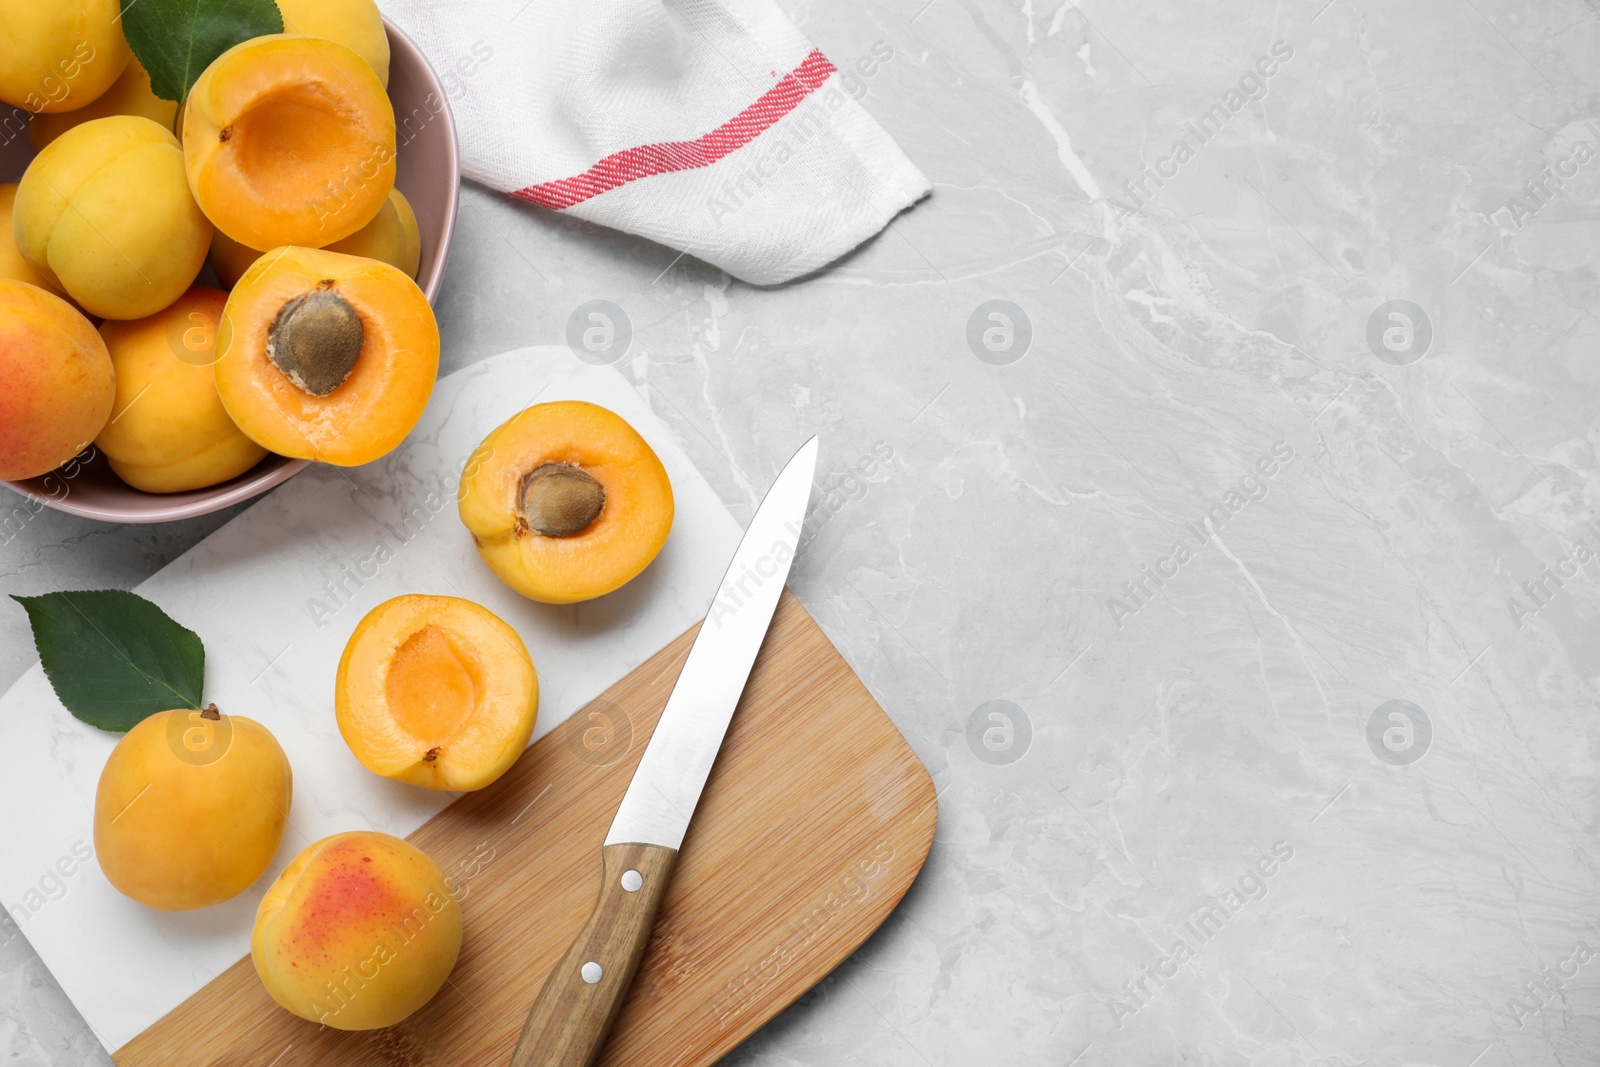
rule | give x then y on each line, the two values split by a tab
580	1000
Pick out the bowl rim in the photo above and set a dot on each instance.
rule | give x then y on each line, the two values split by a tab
246	486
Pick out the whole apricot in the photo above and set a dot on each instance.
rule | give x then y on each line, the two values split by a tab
289	141
59	55
436	691
191	808
130	94
565	502
391	237
106	208
56	381
356	24
326	356
169	431
12	263
357	933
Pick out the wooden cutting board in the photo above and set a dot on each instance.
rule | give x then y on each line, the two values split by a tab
816	820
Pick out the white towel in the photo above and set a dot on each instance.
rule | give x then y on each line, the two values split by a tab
712	126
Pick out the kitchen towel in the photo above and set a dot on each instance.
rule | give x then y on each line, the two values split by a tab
712	126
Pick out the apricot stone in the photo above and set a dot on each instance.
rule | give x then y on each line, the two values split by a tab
56	381
129	95
357	933
169	431
566	502
59	55
436	691
289	141
105	207
326	356
391	237
191	808
356	24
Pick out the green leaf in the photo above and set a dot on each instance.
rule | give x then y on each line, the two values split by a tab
176	40
113	657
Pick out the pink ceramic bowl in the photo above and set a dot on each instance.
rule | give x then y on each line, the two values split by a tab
430	176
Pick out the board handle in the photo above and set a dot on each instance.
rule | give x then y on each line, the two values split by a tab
580	1000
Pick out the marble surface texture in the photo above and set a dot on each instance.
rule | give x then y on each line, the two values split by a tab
1236	582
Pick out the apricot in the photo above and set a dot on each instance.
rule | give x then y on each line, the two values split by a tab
59	55
566	502
169	431
289	141
130	94
391	237
12	264
105	207
356	24
326	356
357	933
56	381
191	808
436	691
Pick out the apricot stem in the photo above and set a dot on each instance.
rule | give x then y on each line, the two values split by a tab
211	713
560	500
315	340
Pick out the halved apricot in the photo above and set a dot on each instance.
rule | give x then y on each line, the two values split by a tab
289	141
566	502
436	691
392	237
326	356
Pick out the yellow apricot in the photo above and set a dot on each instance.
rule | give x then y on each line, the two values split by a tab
565	502
356	24
12	264
436	691
326	356
289	141
59	55
169	431
130	95
56	381
107	209
358	932
191	808
391	237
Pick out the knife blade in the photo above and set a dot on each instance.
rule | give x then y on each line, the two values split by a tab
575	1010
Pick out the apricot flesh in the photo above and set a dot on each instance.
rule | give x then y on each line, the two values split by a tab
169	431
107	210
289	141
326	356
357	933
391	237
437	691
356	24
57	384
191	808
130	94
566	502
59	55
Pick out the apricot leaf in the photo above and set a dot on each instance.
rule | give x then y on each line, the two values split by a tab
176	40
113	657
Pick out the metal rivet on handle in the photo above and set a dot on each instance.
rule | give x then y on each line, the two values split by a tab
632	880
591	972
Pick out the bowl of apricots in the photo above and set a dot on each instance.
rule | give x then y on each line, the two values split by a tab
213	276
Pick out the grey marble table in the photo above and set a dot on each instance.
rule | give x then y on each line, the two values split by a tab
1227	540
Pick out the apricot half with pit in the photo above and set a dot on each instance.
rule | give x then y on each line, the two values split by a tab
326	356
436	691
358	932
566	502
289	141
169	431
191	808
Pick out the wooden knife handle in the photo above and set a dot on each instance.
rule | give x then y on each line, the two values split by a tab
569	1022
